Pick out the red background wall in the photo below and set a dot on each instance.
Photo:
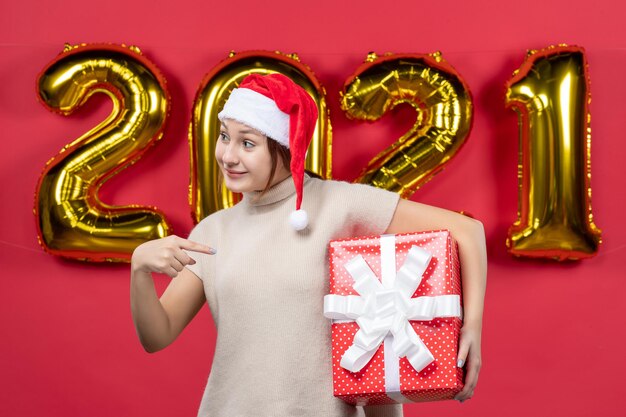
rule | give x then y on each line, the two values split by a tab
552	331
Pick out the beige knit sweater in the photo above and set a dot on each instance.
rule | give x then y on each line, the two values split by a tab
265	288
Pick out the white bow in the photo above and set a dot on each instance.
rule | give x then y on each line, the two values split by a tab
379	311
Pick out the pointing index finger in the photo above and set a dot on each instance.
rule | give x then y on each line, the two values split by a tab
196	247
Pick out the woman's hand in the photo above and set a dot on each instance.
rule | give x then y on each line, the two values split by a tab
166	255
470	357
160	321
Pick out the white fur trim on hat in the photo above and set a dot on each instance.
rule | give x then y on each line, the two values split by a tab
259	112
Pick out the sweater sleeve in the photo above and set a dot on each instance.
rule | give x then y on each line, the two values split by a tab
204	268
370	209
201	234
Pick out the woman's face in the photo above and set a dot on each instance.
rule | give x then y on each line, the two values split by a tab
243	156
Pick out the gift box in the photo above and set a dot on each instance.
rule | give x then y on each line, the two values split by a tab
395	301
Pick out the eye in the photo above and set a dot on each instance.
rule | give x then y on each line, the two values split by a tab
224	137
248	144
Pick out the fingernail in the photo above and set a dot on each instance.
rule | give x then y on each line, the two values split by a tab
192	262
212	251
460	363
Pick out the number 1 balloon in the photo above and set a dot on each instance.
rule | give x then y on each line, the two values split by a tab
550	93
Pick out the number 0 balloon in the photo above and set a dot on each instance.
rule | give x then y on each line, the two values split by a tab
207	194
550	93
71	221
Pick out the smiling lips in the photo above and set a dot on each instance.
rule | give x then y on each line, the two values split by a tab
234	174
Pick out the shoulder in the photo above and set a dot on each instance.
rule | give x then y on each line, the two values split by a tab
360	208
212	221
354	193
209	220
339	186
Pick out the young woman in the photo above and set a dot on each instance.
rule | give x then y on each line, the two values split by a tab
264	281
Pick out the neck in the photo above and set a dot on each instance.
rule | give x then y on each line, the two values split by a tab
280	177
278	192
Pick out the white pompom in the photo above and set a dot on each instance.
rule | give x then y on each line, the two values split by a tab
298	219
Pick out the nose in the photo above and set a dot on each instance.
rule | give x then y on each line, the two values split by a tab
229	157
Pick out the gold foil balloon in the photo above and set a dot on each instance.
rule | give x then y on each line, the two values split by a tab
443	105
71	221
206	192
550	93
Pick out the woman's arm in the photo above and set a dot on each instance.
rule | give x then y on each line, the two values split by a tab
159	321
470	236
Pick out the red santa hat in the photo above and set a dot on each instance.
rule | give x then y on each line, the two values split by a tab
283	111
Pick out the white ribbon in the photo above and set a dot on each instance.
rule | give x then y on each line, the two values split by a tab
383	309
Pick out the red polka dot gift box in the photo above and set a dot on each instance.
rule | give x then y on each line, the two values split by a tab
395	305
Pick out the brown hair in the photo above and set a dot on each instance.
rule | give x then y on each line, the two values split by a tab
277	151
